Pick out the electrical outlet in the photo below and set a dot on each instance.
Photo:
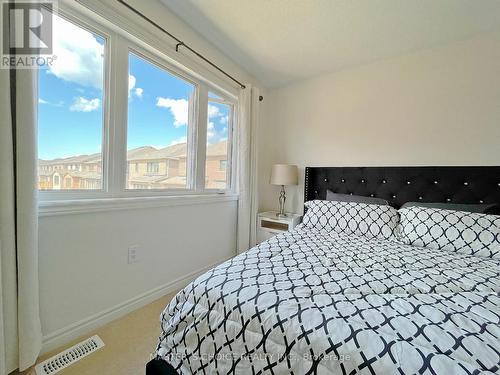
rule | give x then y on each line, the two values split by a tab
134	254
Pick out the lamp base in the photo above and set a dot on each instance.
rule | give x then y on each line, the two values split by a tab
282	200
281	215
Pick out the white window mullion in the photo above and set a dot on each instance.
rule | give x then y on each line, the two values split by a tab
232	151
107	118
201	138
118	117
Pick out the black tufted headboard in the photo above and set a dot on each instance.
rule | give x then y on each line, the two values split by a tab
407	184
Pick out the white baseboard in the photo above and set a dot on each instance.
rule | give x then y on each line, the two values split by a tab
73	331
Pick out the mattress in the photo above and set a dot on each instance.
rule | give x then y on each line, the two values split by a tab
308	301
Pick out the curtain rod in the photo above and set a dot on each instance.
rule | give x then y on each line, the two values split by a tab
180	42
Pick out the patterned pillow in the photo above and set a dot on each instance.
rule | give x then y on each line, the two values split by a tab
459	231
369	220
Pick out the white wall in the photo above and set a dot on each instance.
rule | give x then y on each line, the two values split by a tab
85	279
434	107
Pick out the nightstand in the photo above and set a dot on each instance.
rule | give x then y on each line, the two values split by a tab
269	225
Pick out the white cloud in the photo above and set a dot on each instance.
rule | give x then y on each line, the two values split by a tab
138	92
131	82
132	90
178	107
213	111
178	140
43	101
211	132
215	133
82	104
79	55
223	120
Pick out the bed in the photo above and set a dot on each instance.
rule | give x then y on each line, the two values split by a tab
319	301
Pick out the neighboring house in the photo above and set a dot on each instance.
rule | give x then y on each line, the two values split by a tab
147	168
151	168
216	166
75	172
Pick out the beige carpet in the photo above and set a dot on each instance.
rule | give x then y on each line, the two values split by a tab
129	343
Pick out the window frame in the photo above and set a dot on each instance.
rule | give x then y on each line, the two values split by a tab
162	64
94	27
230	183
118	41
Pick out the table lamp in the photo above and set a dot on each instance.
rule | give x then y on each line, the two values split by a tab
284	174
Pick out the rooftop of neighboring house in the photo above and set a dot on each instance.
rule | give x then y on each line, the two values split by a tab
80	159
152	153
85	175
176	151
90	175
217	149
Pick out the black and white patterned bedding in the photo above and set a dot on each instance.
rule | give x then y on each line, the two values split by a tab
308	301
464	232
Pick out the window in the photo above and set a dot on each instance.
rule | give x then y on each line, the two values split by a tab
125	121
222	165
219	126
159	117
70	109
153	167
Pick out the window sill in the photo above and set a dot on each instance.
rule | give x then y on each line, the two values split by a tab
78	206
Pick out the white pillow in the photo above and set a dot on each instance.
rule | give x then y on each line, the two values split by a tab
458	231
369	220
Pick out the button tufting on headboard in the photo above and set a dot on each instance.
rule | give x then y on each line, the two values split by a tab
404	184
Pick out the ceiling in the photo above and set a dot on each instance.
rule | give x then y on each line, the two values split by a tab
282	41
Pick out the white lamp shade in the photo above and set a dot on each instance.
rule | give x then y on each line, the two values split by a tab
284	174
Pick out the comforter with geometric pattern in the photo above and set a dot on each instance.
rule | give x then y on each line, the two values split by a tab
309	302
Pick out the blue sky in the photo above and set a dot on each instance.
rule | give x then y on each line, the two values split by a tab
70	114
